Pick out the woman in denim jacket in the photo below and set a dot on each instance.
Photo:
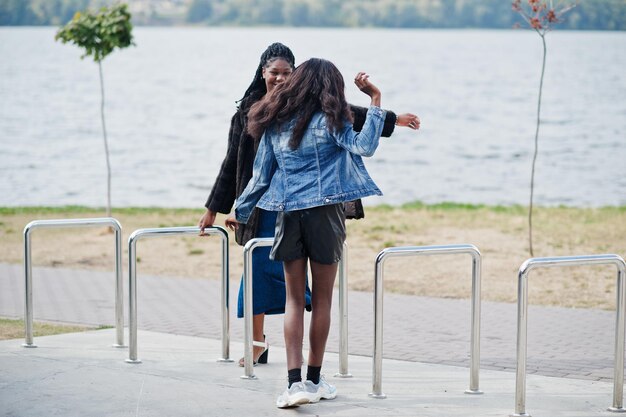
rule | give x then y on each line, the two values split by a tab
276	64
309	163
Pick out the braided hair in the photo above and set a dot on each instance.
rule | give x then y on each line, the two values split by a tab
316	85
273	52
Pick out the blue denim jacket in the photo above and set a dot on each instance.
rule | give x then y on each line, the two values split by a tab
326	168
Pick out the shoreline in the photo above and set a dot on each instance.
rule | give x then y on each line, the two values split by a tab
444	205
500	233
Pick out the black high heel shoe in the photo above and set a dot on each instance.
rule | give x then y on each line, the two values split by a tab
262	358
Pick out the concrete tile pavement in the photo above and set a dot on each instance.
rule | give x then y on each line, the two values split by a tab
572	343
79	374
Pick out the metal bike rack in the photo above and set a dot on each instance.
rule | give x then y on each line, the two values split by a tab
343	315
28	273
132	281
522	315
378	308
247	307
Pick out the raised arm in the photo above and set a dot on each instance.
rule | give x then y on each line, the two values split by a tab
366	141
362	81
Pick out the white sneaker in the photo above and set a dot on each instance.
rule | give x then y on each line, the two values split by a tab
298	394
324	390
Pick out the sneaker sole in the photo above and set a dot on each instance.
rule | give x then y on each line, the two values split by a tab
300	401
295	402
329	396
315	399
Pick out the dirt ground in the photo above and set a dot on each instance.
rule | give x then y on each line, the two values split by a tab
501	234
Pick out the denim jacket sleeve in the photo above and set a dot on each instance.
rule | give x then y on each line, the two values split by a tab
264	166
359	113
366	141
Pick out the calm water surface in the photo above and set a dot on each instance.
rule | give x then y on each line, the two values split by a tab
170	99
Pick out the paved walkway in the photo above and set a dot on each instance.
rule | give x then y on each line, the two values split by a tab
570	343
79	374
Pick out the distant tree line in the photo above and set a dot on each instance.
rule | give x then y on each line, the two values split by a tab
39	12
588	15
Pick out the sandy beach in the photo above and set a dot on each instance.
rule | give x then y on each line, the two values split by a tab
500	233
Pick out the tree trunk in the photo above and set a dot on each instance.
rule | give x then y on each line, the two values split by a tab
106	143
532	174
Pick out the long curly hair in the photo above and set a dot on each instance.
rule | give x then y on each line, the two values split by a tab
277	50
316	85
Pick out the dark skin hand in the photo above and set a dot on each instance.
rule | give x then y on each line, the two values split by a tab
206	220
231	223
408	120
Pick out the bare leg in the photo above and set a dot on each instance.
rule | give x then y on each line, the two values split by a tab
322	297
295	281
258	322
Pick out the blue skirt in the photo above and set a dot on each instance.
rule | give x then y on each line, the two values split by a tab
268	277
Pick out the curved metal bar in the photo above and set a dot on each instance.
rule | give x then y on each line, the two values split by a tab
132	281
343	315
247	304
394	252
28	273
522	322
247	307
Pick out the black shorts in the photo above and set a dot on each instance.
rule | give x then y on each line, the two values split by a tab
317	233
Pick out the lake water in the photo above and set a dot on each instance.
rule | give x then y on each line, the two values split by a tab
170	99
